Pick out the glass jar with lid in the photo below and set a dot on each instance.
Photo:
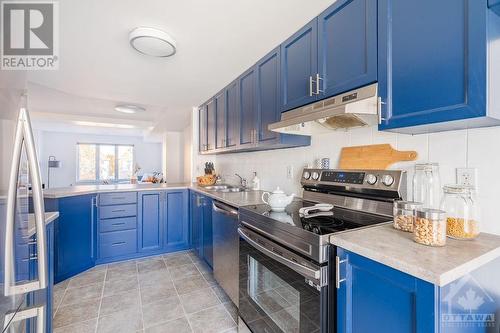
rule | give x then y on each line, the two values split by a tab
427	185
462	211
430	227
404	214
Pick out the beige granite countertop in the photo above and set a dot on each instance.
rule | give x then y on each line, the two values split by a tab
49	218
437	265
235	199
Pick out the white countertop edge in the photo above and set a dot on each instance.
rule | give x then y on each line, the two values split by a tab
49	218
66	194
416	271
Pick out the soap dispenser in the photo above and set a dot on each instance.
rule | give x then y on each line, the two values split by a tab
255	182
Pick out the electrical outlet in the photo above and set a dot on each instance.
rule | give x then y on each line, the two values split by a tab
467	176
289	171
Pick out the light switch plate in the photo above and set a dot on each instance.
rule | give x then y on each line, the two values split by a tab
467	176
289	171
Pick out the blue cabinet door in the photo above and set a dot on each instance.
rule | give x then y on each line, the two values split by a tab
150	220
220	119
196	217
203	138
495	5
432	61
374	297
211	125
177	222
268	92
299	65
247	107
347	46
232	111
74	239
208	252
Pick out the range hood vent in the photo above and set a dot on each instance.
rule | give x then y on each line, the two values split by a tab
355	108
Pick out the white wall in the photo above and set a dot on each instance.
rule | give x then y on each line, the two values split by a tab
188	153
63	147
477	148
173	151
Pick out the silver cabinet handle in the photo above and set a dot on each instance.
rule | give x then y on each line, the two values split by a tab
311	86
318	82
306	271
24	134
338	280
380	103
34	312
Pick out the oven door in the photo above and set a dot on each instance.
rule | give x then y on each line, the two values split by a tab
279	291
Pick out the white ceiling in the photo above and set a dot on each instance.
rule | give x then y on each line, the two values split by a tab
216	41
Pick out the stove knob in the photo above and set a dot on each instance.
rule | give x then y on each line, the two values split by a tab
315	175
307	227
371	179
306	175
387	180
316	230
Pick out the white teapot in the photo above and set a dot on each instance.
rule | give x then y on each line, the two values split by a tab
278	200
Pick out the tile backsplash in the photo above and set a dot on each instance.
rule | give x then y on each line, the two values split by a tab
475	148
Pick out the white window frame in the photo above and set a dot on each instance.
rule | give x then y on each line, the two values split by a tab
97	168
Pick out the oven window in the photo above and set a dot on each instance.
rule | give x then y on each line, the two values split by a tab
274	298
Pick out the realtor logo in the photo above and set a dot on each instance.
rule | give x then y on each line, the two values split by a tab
29	35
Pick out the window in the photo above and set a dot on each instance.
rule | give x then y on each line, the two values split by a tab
97	162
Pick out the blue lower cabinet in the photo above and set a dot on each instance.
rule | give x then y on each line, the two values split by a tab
208	243
376	298
150	220
74	235
201	226
117	244
495	5
176	234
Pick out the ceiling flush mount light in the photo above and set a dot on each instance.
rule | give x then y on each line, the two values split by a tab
152	42
129	108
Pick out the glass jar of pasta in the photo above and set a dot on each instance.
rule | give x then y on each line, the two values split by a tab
462	211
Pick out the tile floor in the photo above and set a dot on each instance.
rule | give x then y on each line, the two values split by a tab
171	293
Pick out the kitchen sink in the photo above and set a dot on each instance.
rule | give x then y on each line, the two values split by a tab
234	189
216	187
226	188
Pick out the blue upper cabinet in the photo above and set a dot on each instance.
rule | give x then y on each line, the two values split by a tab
299	65
177	222
495	5
247	107
268	92
220	119
232	111
433	61
374	294
203	138
211	124
150	220
347	47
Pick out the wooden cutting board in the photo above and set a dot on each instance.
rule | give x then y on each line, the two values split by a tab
373	157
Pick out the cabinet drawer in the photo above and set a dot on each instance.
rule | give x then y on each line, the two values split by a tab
118	224
114	244
119	198
110	212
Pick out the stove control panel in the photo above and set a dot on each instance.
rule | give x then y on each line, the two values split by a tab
369	179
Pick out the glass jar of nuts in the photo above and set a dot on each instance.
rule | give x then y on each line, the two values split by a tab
462	212
430	227
404	214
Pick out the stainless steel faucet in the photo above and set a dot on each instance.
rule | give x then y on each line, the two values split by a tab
243	181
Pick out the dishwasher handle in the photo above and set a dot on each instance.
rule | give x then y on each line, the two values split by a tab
219	207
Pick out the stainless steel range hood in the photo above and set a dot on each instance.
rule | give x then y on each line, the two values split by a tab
355	108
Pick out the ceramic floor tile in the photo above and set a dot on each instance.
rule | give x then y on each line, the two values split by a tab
159	312
114	287
75	295
165	289
199	300
232	310
129	269
121	322
221	294
154	279
211	320
177	260
203	267
188	285
184	271
152	265
75	313
86	278
209	277
128	300
83	327
180	325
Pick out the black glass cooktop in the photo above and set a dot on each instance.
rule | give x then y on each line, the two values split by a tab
317	221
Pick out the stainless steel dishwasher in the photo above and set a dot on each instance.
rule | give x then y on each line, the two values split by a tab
226	248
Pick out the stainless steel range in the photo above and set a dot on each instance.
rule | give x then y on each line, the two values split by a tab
285	266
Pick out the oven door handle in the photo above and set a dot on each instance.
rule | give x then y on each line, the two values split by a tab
301	269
